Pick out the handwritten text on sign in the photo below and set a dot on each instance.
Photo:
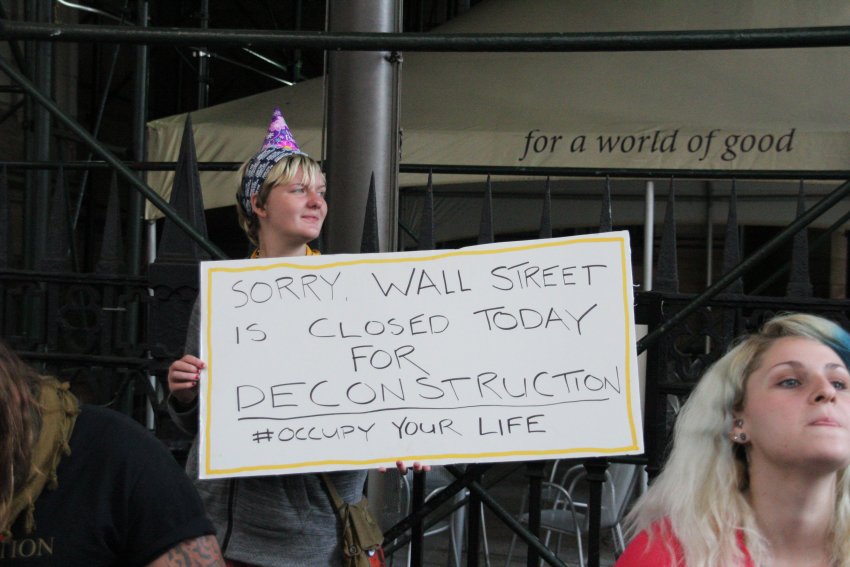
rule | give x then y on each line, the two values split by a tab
512	351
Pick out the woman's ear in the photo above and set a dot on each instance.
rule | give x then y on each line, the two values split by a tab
738	435
258	210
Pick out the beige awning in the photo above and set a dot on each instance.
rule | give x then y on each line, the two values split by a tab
747	109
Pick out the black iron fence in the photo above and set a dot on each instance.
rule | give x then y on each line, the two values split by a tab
113	336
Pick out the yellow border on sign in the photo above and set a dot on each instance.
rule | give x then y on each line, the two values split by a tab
445	456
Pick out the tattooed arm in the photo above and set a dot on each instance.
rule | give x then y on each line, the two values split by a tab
198	552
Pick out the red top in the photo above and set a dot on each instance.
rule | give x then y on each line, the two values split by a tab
641	553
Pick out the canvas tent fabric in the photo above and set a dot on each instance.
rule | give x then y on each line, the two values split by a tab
767	109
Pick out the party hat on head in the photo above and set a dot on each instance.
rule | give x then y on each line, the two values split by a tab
279	135
278	144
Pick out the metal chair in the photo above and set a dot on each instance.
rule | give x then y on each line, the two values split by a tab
395	502
564	513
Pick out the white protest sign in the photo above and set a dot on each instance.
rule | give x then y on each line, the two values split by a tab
509	351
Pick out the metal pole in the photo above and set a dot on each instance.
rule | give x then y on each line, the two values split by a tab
648	235
622	172
696	40
40	203
204	60
362	102
596	477
362	128
151	241
136	202
140	115
535	493
709	245
709	233
295	60
28	62
417	530
473	527
478	170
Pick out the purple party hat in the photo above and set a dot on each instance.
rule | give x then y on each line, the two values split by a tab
279	135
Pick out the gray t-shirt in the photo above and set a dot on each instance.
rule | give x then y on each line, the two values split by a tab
269	521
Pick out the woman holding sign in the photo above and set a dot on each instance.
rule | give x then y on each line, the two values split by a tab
285	520
759	473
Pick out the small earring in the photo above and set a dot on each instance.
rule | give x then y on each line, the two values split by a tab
740	438
739	422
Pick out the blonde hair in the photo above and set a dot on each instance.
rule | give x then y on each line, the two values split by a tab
20	422
699	495
282	172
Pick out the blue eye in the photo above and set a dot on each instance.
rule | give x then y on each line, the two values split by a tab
839	384
789	383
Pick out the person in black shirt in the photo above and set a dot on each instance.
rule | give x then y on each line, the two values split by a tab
88	486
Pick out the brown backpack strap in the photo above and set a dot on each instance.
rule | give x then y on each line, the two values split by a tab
335	498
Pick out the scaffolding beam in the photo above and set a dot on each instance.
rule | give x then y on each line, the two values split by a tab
697	40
